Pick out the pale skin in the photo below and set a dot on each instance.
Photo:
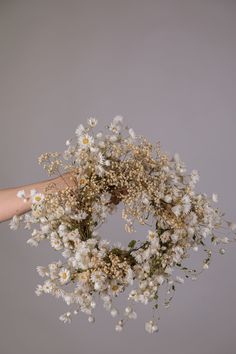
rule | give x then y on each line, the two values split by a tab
11	205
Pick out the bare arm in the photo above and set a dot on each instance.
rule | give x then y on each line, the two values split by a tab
11	205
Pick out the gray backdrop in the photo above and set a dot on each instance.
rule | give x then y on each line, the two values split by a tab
167	66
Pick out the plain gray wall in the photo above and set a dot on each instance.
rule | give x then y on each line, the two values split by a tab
167	66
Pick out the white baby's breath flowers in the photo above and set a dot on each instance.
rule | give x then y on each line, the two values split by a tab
154	190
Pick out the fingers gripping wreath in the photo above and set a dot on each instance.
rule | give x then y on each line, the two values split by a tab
155	190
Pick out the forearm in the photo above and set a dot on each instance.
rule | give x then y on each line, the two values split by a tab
11	205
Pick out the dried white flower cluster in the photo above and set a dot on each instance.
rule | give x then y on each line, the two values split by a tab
108	168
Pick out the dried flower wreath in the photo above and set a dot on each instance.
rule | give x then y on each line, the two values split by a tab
155	190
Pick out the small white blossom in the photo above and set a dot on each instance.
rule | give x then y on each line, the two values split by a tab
42	271
37	198
107	163
132	315
119	328
186	203
32	242
114	312
117	119
86	140
80	216
179	280
39	290
168	198
64	275
47	287
100	158
66	317
92	122
151	235
132	133
232	226
21	194
80	130
15	222
120	325
33	192
174	237
177	210
195	176
56	243
128	310
91	319
151	327
99	135
214	197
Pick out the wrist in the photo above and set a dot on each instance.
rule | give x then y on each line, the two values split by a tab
64	180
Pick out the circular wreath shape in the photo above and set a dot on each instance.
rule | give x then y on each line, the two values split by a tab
98	171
